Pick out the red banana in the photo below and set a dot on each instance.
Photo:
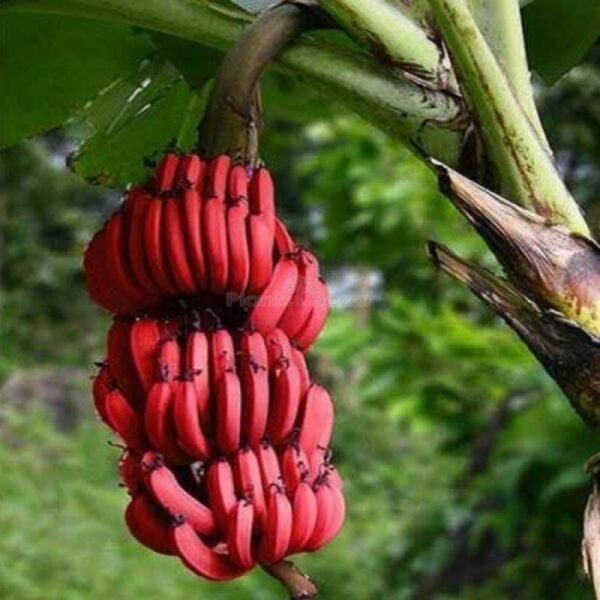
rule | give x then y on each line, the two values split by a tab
200	558
262	198
254	376
130	473
186	412
314	324
302	303
295	467
334	477
317	420
191	207
285	403
164	175
261	254
214	225
175	246
217	177
278	529
319	463
99	284
237	231
305	510
270	471
168	359
124	421
285	387
120	361
103	383
148	525
118	267
144	338
210	229
221	490
159	423
137	204
222	354
197	368
283	240
156	255
175	500
239	252
239	534
302	368
248	481
321	467
191	172
331	511
229	412
277	295
279	349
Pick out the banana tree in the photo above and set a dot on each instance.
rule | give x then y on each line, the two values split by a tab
450	79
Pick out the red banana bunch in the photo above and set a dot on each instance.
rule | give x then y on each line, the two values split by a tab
227	440
228	461
195	394
225	517
207	234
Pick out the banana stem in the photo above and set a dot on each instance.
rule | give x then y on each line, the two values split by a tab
527	172
396	38
299	586
233	116
501	25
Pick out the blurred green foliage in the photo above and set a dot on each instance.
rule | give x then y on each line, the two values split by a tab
46	218
462	462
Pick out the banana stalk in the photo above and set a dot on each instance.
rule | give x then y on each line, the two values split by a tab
397	38
500	23
522	163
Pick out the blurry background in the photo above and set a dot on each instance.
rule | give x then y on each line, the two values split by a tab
462	462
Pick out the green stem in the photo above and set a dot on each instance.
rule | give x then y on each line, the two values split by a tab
501	26
393	36
429	121
527	172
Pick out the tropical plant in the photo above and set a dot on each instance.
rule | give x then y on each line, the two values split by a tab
448	78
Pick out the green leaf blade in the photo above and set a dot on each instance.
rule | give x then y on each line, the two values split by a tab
559	33
53	65
158	111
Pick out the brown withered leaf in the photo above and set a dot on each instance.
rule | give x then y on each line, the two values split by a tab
548	263
569	354
590	544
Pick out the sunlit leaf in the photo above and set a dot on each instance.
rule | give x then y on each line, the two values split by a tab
134	121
